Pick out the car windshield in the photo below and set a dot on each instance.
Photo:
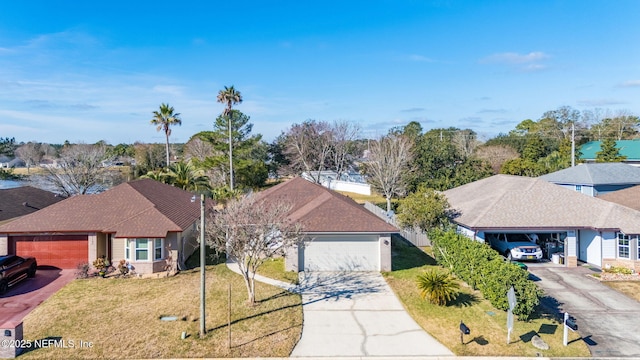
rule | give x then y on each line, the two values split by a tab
518	238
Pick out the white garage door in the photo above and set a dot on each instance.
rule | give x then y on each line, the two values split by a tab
356	253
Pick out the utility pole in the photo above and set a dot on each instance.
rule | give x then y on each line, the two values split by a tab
229	115
203	260
573	144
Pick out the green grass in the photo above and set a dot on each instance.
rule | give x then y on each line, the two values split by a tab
120	317
488	326
274	269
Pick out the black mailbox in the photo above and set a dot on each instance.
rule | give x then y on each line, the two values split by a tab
464	329
570	322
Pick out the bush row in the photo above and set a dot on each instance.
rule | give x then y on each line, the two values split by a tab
484	269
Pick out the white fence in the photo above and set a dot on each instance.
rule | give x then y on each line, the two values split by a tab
415	236
339	185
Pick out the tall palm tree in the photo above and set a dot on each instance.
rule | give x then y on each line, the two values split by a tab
229	96
164	119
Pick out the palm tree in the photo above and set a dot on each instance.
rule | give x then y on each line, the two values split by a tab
164	119
187	177
230	97
438	287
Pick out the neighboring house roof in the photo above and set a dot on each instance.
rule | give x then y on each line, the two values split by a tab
629	197
628	148
23	200
140	208
319	209
596	174
518	202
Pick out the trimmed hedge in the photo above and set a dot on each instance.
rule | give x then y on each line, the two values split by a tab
484	269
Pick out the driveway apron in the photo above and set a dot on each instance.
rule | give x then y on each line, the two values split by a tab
21	299
357	314
607	320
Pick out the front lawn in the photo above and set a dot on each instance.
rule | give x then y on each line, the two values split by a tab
121	318
488	326
274	269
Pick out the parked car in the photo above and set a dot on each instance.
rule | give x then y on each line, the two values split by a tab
14	269
515	246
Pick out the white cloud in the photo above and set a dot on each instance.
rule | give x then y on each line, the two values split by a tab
420	58
599	102
530	62
169	89
630	83
515	58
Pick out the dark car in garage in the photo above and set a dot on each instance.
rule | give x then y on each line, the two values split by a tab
14	269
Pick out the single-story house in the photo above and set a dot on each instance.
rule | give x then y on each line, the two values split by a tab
595	179
142	222
23	200
628	148
341	235
581	227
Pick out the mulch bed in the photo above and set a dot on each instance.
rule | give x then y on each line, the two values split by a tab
605	276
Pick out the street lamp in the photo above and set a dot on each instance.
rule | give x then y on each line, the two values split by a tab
203	328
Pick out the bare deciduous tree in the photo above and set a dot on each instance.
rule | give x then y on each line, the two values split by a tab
343	136
387	165
31	153
252	231
79	170
308	146
496	155
466	141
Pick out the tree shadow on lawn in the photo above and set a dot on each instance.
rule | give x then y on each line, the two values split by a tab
465	300
237	321
264	336
405	255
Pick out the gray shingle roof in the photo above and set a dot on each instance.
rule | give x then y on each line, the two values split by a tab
596	174
515	202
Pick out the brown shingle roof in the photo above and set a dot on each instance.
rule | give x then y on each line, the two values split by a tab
629	197
319	209
20	201
141	208
518	202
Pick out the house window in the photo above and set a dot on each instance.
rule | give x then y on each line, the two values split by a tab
142	249
579	188
157	249
127	250
623	246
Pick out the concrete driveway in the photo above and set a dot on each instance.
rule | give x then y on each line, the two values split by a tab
357	314
26	295
607	320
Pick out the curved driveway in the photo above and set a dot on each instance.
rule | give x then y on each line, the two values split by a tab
357	314
607	320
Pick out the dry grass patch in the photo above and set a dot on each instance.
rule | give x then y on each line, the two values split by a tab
121	317
629	288
361	199
488	326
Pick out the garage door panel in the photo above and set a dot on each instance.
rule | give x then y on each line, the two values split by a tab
342	255
64	252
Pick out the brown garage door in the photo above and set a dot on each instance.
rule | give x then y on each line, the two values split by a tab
62	251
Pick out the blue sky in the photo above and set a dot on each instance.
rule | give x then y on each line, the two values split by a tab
86	71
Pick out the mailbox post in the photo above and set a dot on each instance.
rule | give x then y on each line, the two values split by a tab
569	323
464	330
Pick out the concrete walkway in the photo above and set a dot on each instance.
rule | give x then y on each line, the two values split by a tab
355	315
607	320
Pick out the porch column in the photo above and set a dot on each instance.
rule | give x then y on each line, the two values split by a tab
571	249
